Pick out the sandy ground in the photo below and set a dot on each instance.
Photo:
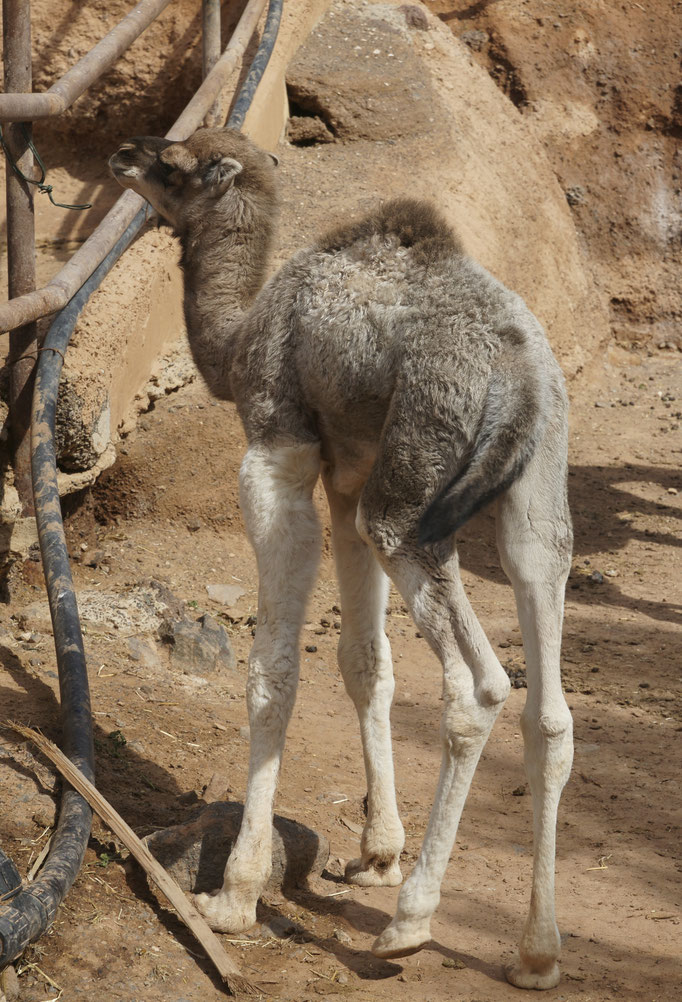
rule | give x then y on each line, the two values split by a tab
617	871
168	512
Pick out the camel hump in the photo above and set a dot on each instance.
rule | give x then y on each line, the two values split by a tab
417	225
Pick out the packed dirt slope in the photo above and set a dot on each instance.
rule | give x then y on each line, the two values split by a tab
598	83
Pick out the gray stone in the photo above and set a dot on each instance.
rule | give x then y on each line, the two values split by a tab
143	649
576	195
44	810
9	984
279	927
475	39
382	99
195	853
200	647
226	594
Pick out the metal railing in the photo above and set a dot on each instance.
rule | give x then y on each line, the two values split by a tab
32	909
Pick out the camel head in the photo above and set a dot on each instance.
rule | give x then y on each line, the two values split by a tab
211	174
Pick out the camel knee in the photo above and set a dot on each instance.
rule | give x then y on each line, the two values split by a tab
465	726
366	668
548	746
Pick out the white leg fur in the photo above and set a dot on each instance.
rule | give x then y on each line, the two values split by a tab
474	689
534	538
364	656
276	498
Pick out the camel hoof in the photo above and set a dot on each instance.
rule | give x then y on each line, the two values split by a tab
222	915
401	940
522	976
373	874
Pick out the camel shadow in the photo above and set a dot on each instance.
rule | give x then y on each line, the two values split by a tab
613	523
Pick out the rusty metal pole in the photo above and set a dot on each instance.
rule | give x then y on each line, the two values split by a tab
210	42
21	258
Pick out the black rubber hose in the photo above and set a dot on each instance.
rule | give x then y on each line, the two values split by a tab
257	68
32	910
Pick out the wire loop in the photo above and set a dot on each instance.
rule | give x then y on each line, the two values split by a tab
40	185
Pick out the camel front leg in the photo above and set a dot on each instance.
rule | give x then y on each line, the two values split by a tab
276	497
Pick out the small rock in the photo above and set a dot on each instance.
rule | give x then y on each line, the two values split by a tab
279	927
575	195
311	648
9	984
342	937
216	788
137	747
194	525
144	650
199	647
342	978
475	39
645	685
455	965
520	791
226	594
597	577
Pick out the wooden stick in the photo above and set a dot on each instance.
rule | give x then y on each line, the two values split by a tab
228	970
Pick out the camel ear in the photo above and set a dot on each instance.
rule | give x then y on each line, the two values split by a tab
220	175
179	158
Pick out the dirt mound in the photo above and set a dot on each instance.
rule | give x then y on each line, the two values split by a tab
400	107
599	86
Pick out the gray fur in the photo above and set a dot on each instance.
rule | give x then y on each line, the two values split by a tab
379	318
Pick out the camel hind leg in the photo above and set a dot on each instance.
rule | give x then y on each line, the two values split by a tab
534	539
475	685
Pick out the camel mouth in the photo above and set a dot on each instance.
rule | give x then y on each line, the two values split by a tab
116	167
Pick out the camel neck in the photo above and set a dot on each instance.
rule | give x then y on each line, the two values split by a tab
224	269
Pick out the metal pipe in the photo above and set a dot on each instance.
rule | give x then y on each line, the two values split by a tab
21	257
259	64
193	115
16	107
65	284
211	49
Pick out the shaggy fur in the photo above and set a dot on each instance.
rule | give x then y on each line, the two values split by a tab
422	389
